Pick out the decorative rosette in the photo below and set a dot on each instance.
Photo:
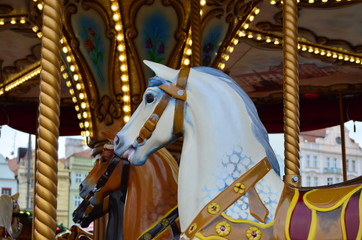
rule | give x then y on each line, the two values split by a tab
223	228
253	233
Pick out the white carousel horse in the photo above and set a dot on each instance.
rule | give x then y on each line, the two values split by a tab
10	227
229	183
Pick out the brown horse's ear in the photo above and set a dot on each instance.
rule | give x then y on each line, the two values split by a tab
15	196
110	136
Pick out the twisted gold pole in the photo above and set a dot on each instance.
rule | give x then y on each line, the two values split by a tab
291	92
47	140
195	33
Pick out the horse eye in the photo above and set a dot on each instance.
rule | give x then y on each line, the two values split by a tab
150	98
104	159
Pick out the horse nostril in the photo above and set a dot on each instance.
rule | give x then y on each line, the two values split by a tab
116	140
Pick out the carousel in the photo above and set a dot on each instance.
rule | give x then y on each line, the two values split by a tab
169	94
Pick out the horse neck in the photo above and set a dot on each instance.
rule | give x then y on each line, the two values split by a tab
218	136
152	192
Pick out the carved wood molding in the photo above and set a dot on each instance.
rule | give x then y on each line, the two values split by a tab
106	107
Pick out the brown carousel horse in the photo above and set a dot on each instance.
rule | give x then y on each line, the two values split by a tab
10	226
141	201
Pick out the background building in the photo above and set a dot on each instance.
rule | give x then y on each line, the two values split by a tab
80	163
321	157
8	183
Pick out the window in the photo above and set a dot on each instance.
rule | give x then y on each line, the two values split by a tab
353	165
328	162
308	160
329	180
6	191
78	177
77	201
337	180
334	162
308	181
316	181
315	161
347	165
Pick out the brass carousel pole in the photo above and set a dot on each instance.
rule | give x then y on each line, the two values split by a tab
343	139
48	129
291	93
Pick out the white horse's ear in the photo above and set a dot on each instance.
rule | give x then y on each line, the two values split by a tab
161	71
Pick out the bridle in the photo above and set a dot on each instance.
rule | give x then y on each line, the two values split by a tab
86	203
177	91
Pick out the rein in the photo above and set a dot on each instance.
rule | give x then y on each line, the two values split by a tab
86	204
178	92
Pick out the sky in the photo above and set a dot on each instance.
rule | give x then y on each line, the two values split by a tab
11	140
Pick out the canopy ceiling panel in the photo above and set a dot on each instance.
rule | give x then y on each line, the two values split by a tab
105	42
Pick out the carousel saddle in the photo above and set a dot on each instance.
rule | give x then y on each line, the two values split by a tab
327	199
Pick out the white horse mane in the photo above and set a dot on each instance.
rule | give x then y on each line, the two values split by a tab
257	126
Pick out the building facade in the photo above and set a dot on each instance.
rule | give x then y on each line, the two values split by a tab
26	197
80	164
8	183
321	157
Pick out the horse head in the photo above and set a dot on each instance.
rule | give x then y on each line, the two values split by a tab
96	195
9	207
141	136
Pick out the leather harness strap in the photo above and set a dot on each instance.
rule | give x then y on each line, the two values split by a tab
229	196
178	92
161	225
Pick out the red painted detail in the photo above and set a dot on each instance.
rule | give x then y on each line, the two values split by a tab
300	220
351	217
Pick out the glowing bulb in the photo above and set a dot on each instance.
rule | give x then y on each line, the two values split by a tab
83	105
114	7
75	77
65	49
81	96
251	18
120	37
2	22
13	21
126	108
85	114
116	17
242	34
126	119
257	11
69	58
120	47
86	124
78	86
72	68
125	88
124	78
187	61
230	49
123	67
188	52
126	98
122	57
74	99
118	27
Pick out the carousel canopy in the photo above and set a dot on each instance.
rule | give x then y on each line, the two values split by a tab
104	43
